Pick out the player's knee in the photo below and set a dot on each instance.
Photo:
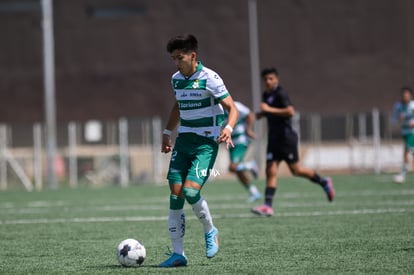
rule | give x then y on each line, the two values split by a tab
192	195
176	202
295	171
232	167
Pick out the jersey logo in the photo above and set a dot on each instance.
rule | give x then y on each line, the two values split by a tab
196	94
269	156
196	85
270	99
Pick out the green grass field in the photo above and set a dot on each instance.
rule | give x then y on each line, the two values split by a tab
368	229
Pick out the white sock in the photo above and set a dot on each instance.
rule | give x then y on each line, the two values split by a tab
404	169
250	164
246	165
176	227
253	189
202	212
241	167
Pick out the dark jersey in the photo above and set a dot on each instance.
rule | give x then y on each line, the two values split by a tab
279	127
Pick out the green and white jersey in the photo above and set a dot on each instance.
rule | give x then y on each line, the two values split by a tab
239	132
198	98
407	112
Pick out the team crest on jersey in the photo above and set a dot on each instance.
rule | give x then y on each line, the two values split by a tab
196	85
270	99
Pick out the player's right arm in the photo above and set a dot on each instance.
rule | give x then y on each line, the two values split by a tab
249	125
171	124
288	111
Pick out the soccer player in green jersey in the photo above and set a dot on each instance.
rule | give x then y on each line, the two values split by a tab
404	114
200	98
242	135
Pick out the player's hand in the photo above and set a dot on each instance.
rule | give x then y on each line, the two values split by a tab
166	144
225	136
264	107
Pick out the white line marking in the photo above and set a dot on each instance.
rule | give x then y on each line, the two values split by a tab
140	207
229	197
226	216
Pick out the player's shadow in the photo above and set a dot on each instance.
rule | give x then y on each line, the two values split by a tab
143	267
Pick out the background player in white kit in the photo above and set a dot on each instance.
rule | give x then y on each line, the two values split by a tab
403	113
242	135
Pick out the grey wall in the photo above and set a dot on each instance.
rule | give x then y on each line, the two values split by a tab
333	55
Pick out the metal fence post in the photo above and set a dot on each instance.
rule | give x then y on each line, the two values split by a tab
123	152
3	162
73	163
376	137
37	158
315	128
156	150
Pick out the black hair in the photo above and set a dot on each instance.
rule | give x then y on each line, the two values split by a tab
271	70
406	88
186	43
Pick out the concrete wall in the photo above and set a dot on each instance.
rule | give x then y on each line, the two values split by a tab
333	55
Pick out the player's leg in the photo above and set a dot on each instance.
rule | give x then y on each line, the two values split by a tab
271	185
326	183
179	163
400	178
237	166
200	208
204	157
290	154
176	227
271	181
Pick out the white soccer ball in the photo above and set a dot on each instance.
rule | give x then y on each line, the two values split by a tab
130	252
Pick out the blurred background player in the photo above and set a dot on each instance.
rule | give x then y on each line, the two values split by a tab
282	142
200	98
403	113
241	136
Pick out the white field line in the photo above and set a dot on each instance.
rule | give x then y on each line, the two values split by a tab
216	202
229	197
226	216
321	195
142	207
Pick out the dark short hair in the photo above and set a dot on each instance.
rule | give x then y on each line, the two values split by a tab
186	43
271	70
406	88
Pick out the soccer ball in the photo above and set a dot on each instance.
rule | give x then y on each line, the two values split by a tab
130	252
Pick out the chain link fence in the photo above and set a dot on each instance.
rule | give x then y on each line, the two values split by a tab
127	151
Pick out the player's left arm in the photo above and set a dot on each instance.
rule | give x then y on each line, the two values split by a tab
233	116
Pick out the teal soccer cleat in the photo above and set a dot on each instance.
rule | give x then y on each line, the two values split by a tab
174	261
254	197
212	245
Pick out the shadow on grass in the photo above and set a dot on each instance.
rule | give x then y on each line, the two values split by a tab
142	267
